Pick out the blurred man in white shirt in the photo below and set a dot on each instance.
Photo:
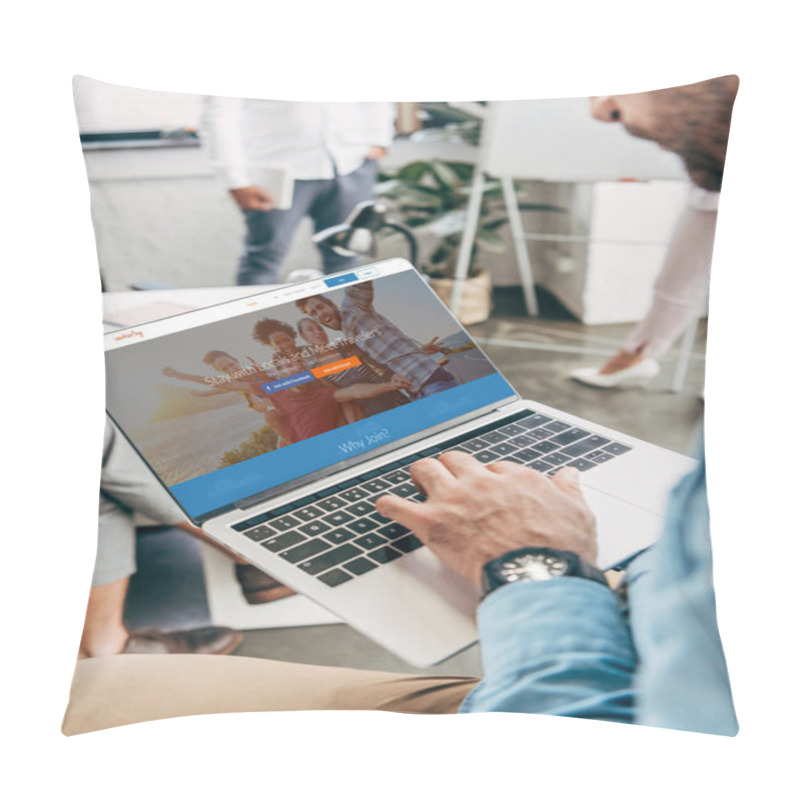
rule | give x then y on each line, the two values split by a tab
329	151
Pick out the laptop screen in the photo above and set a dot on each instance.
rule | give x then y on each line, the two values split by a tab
231	401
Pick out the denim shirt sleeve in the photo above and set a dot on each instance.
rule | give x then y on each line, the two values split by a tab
557	647
683	680
563	647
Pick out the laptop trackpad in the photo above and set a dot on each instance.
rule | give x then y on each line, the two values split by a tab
622	528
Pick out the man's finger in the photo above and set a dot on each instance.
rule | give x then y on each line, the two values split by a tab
461	464
429	475
502	467
568	479
400	510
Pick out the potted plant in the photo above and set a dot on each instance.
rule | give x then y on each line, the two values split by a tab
431	197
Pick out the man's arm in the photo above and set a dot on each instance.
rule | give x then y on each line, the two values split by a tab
226	384
552	647
361	295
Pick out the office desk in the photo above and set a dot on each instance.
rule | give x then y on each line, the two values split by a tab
225	601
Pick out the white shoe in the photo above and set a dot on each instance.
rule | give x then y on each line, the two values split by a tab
635	375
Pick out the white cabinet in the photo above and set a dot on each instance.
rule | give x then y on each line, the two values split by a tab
601	258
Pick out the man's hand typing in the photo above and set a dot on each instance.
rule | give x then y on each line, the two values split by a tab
477	512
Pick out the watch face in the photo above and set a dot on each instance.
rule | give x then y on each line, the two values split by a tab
533	567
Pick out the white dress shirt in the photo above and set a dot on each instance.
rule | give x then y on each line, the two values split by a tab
310	140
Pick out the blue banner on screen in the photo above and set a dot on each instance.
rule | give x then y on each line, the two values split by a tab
217	489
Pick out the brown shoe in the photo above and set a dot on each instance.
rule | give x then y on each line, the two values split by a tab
209	641
258	587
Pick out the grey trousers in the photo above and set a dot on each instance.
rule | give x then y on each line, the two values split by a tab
327	202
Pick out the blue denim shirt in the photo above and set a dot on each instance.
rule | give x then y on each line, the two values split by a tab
566	647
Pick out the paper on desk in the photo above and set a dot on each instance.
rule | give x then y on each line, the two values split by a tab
227	605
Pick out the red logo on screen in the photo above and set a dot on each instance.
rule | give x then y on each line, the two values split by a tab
129	335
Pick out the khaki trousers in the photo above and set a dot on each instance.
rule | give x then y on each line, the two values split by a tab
119	690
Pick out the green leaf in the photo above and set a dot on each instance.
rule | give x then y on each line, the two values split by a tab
445	175
412	197
462	169
490	240
414	171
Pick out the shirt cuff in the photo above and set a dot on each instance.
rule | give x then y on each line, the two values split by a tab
526	622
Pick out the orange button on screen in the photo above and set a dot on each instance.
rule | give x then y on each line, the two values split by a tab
336	366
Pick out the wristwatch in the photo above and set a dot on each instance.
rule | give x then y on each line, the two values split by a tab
536	564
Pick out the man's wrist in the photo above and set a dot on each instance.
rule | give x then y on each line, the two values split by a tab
532	564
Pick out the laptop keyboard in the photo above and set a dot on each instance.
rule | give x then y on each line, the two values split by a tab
337	535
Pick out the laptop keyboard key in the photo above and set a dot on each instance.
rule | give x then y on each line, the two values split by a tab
502	449
284	523
305	551
393	531
339	537
332	558
356	493
260	533
582	464
570	436
331	503
585	445
375	486
360	565
556	426
616	449
338	518
370	541
533	421
485	456
283	541
512	430
335	577
545	447
600	458
361	508
554	458
308	513
541	466
494	437
400	476
404	490
314	528
383	555
407	544
363	525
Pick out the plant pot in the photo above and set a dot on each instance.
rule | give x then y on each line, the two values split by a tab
476	296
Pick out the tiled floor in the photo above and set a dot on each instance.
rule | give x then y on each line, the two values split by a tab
167	593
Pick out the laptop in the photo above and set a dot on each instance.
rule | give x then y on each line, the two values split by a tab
276	420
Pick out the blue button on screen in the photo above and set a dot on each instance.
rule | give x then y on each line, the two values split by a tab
337	280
